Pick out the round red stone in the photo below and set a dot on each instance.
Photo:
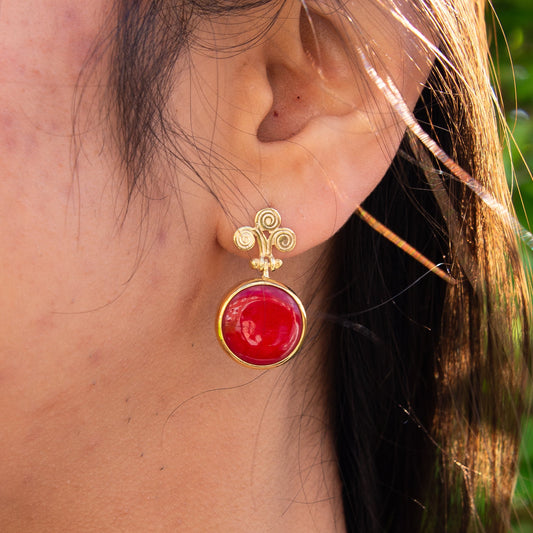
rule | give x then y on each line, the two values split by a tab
262	324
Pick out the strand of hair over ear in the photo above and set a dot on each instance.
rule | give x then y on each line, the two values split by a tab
394	98
403	245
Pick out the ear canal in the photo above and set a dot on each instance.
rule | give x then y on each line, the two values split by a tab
310	75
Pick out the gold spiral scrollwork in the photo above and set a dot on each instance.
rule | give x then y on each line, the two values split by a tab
267	219
268	234
244	238
284	239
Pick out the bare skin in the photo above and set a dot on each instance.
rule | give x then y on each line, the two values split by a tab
119	410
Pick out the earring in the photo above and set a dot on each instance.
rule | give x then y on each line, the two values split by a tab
261	323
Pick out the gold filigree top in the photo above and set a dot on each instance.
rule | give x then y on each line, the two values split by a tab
268	234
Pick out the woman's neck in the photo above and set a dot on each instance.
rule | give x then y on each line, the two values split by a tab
236	452
158	429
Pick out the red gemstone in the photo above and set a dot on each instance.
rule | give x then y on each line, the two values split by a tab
262	324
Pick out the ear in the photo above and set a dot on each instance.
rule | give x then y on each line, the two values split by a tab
297	122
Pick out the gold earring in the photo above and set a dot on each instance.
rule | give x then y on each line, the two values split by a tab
261	323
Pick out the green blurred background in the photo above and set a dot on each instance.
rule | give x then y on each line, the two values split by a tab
516	18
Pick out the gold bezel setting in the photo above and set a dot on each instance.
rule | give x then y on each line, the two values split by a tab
246	285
